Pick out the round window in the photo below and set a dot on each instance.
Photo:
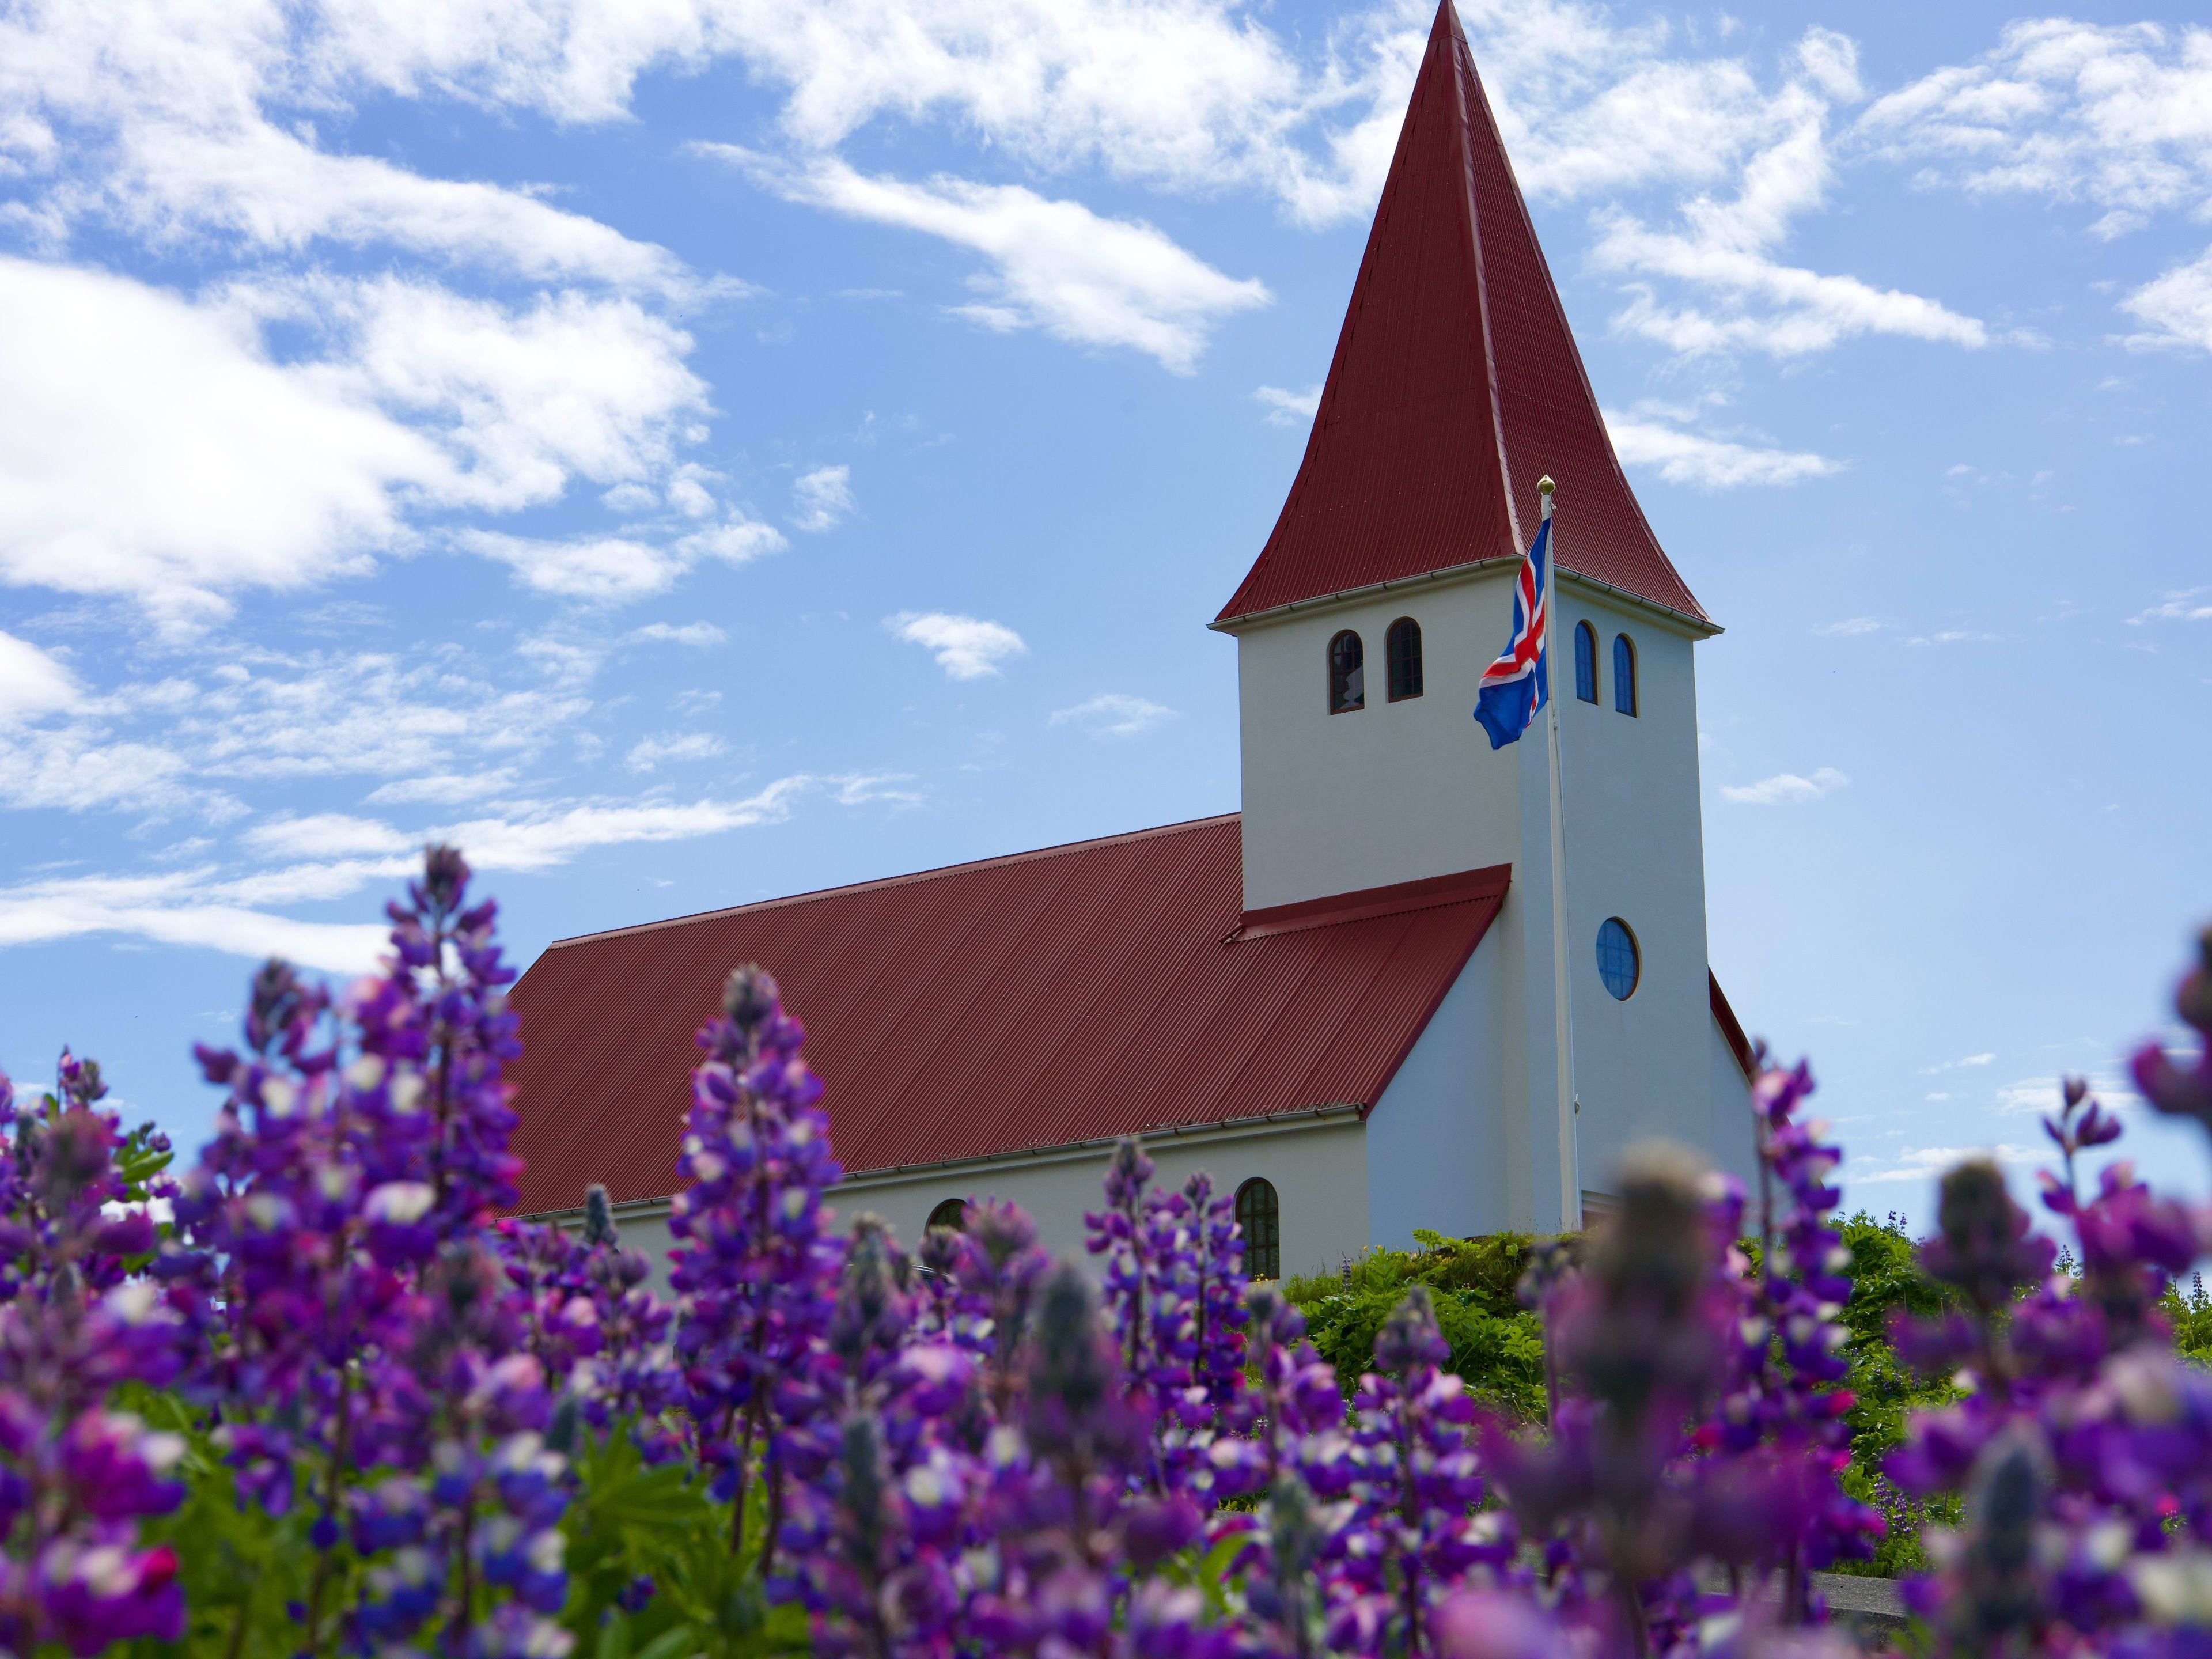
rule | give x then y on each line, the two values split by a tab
1618	963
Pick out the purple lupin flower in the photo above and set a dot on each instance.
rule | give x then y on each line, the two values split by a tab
999	1266
74	1474
1175	1287
2178	1084
1642	1335
1769	1494
754	1261
886	1492
357	1318
1413	1531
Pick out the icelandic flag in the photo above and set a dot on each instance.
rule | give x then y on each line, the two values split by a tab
1515	686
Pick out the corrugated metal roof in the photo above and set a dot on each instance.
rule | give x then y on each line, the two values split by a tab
1052	997
1455	386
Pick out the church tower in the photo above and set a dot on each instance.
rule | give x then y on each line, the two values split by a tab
1366	624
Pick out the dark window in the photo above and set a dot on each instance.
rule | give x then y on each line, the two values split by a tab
1260	1219
1619	963
1403	646
1348	674
1624	674
1585	662
953	1213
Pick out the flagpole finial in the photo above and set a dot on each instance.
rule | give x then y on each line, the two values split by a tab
1546	488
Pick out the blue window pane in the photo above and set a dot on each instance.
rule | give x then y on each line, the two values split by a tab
1624	674
1586	662
1618	964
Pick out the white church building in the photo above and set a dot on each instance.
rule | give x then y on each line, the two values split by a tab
1340	1001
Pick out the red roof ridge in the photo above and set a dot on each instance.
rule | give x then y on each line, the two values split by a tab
1428	893
932	874
1454	384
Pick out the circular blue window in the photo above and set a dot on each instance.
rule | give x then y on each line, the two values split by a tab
1618	964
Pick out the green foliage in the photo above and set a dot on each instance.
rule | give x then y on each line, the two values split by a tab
1886	1278
241	1569
2190	1312
1497	1345
246	1574
629	1520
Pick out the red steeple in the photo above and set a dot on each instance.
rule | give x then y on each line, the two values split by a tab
1455	386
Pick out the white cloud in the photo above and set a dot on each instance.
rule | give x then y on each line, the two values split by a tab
697	632
1288	408
2185	605
610	569
604	568
967	648
1951	636
323	835
1115	715
444	788
2118	117
148	449
163	122
31	682
1785	788
822	499
1850	627
1057	265
204	907
2177	306
1710	463
556	834
649	752
522	399
2045	1095
167	910
151	448
1957	1065
1925	1162
1757	303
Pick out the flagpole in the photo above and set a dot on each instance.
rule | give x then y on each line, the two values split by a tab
1571	1186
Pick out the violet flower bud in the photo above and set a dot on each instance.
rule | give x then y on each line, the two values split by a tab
1986	1249
599	1229
750	997
1409	1338
1999	1590
445	878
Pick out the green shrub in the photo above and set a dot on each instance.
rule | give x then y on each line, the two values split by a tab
1497	1345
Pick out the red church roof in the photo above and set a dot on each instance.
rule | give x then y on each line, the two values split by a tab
1060	996
1455	386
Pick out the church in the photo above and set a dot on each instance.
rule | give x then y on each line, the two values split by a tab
1341	1001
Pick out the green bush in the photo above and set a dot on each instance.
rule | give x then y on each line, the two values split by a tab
1497	1345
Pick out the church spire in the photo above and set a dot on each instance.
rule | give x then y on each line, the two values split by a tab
1455	385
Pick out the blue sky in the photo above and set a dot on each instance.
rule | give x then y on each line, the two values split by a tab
698	452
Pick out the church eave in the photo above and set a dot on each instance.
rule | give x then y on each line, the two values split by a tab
1696	627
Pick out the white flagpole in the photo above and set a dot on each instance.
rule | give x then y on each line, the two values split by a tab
1571	1184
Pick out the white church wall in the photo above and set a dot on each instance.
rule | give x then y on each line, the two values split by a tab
1735	1148
1635	850
1317	1165
1393	791
1438	1151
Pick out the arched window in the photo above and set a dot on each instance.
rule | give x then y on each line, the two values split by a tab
1260	1219
1619	964
1585	662
1348	674
952	1212
1403	647
1624	674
